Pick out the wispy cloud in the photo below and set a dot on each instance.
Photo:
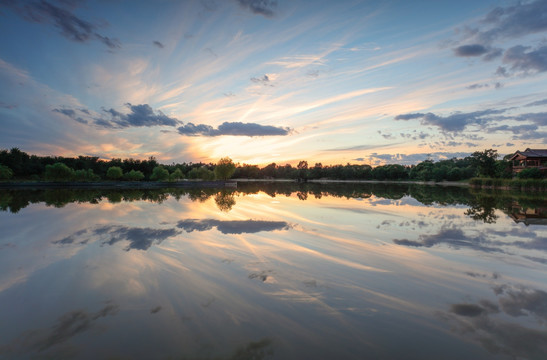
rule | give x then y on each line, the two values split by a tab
70	25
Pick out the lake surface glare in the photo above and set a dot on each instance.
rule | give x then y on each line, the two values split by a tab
273	271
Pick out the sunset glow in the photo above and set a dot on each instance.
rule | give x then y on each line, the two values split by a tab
361	82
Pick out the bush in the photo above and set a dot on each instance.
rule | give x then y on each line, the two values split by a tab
5	172
201	173
59	172
530	173
134	175
85	175
114	173
176	175
159	173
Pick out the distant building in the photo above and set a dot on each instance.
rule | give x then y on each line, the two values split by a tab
529	158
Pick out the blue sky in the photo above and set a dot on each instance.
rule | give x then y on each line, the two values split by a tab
261	81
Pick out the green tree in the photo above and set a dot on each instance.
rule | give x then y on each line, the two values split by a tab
485	162
59	172
134	175
85	175
5	172
205	174
176	175
224	169
114	173
160	173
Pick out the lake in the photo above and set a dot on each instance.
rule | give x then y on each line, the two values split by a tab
273	271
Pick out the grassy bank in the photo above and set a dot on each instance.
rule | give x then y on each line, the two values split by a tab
510	184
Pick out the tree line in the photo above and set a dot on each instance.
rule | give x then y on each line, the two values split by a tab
18	165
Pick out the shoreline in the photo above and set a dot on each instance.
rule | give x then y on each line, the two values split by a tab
232	183
204	184
113	184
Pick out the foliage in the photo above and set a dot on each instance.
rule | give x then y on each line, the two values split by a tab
485	162
176	175
134	175
5	172
32	167
58	172
114	173
85	175
224	169
159	173
225	200
530	173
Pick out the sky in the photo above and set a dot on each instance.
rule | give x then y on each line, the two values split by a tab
262	81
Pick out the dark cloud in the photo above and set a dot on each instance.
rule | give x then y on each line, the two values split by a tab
361	147
72	114
517	129
111	43
261	7
469	310
404	159
454	122
525	59
477	86
232	226
139	115
470	50
521	19
476	50
158	44
537	103
234	129
525	131
510	22
138	238
62	17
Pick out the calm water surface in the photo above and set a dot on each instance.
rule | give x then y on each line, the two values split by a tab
273	272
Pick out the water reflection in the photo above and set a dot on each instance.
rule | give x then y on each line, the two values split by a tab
232	226
138	238
286	271
67	326
486	321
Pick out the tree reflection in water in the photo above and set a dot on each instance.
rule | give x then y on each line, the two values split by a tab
482	204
